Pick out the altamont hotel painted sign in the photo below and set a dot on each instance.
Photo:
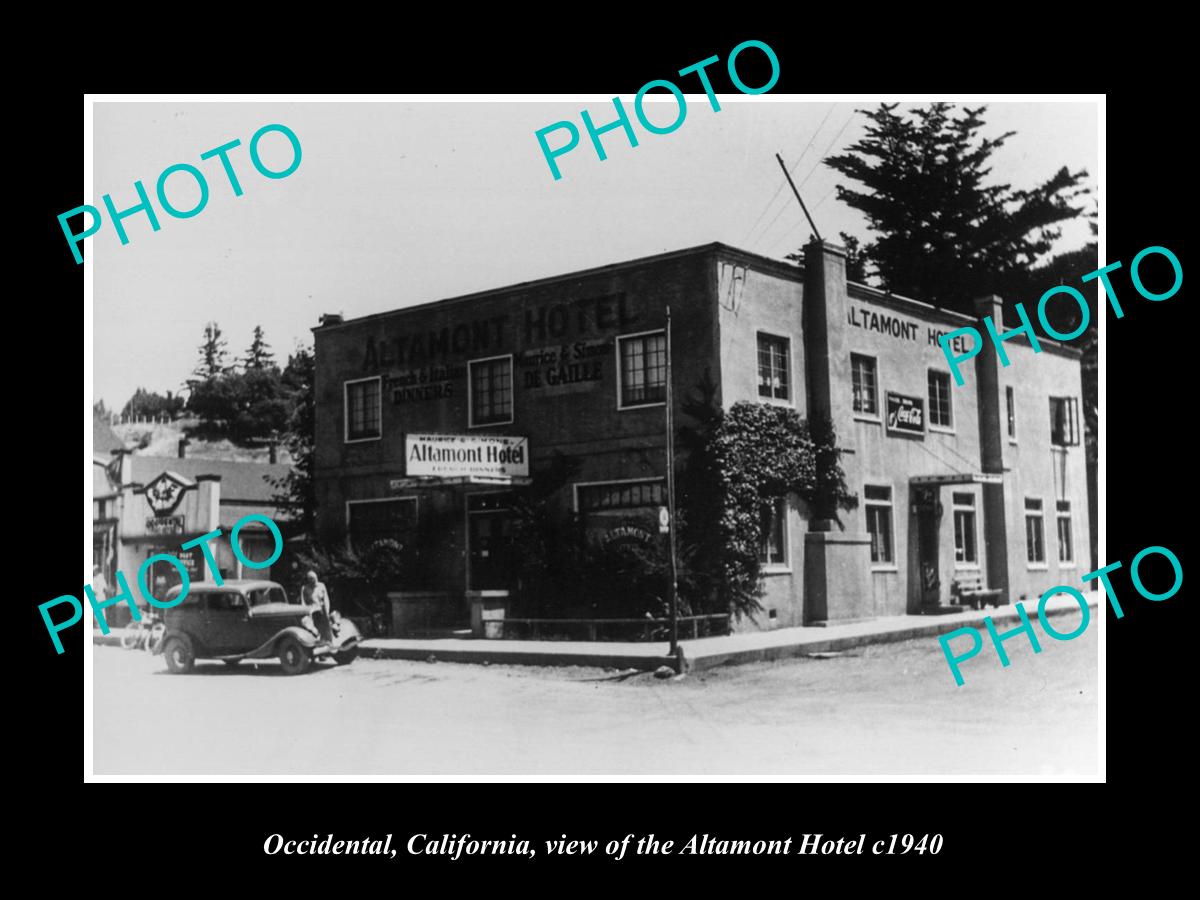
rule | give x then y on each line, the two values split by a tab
564	346
902	329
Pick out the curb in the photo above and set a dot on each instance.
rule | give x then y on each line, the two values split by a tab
930	629
500	656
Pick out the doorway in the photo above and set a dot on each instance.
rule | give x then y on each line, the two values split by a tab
489	542
929	512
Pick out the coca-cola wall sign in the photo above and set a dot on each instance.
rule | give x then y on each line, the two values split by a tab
905	415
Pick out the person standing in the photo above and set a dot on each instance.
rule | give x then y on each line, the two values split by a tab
315	594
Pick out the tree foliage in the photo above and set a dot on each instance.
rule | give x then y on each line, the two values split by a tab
295	491
259	356
945	232
213	355
148	404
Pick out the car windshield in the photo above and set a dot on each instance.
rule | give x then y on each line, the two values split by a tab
263	596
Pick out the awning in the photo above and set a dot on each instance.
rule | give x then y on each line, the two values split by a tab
402	484
959	478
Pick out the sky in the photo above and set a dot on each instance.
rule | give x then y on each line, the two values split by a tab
405	202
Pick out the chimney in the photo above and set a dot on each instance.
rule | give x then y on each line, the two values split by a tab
209	513
273	450
331	319
989	394
183	442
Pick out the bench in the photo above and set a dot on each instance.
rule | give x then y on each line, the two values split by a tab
969	591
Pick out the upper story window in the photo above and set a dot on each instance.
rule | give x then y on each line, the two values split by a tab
1064	421
643	369
364	410
491	391
939	399
1011	402
866	392
773	367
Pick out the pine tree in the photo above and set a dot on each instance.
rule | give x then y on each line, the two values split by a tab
212	354
259	356
944	233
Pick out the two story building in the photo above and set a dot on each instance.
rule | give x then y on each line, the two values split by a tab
427	416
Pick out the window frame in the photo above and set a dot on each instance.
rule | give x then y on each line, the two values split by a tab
609	482
346	439
786	341
784	565
1010	400
1040	516
957	507
877	415
932	426
621	405
891	564
1065	515
1072	422
414	498
512	392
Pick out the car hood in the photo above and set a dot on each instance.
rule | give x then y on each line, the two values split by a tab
280	611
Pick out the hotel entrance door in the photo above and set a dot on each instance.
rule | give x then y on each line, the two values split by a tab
489	541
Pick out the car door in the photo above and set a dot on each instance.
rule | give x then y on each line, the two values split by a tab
226	623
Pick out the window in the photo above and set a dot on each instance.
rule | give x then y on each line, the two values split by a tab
879	522
1064	421
773	551
368	521
620	495
1066	548
862	373
1035	542
964	528
643	369
364	410
1011	401
773	367
491	391
939	399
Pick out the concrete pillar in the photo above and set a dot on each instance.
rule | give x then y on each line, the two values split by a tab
992	425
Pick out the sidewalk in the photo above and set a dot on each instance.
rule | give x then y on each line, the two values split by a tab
702	653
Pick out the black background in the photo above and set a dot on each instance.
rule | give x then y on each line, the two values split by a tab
988	829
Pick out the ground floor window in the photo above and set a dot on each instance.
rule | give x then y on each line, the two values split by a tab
1035	541
1066	547
964	529
773	551
368	521
621	509
879	522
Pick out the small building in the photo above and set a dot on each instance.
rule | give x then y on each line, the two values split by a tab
426	417
147	505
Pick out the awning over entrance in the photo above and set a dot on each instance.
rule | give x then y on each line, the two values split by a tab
959	478
402	484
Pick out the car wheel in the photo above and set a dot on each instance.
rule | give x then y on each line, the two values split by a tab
179	656
346	657
293	656
231	662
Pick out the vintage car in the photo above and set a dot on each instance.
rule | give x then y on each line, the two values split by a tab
239	620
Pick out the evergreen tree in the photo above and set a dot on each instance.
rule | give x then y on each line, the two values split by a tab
944	234
259	356
295	492
212	354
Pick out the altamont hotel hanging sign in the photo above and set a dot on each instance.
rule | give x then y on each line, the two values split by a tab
465	455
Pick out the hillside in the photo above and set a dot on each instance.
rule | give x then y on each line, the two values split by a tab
162	439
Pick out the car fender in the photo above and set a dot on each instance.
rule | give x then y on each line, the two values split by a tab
268	647
181	635
348	636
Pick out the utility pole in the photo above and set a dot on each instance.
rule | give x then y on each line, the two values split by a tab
673	588
788	176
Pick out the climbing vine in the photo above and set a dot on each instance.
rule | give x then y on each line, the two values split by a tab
741	461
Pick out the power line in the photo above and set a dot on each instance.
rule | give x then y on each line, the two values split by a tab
779	189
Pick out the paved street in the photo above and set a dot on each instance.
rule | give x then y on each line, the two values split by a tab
890	709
